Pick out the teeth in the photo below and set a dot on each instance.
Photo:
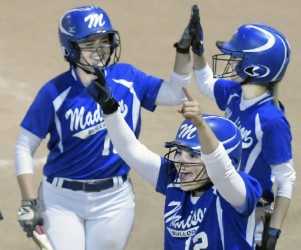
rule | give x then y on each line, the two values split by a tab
186	175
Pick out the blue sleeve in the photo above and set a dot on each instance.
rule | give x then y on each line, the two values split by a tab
277	142
39	116
222	91
163	178
147	87
253	192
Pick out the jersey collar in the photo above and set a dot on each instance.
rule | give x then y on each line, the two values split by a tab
247	103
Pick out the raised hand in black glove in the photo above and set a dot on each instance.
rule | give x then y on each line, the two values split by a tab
29	216
270	239
183	45
101	94
196	32
192	35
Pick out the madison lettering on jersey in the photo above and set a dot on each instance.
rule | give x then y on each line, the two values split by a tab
183	227
89	122
246	136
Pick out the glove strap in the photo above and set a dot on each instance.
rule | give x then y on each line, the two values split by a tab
181	50
274	232
29	203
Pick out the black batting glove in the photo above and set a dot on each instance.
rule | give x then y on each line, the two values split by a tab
99	91
196	32
1	216
29	216
183	45
270	241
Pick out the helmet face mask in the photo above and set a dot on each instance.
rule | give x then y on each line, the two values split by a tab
226	66
188	169
263	50
84	25
96	52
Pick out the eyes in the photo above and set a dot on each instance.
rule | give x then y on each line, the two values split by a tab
95	44
191	153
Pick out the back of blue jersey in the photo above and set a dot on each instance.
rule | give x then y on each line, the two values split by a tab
79	147
209	221
265	131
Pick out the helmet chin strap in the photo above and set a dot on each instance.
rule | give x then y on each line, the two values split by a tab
246	81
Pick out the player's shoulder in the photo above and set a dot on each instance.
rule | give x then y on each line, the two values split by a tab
57	84
272	116
121	70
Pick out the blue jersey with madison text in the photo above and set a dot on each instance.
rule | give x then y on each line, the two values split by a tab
79	146
265	131
206	222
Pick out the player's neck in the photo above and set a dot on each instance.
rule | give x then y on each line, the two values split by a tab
251	91
84	77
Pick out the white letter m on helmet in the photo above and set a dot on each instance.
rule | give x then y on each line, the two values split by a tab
95	20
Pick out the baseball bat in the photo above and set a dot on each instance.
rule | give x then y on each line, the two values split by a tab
40	239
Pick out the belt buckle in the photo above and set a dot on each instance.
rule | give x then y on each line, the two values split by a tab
84	187
89	186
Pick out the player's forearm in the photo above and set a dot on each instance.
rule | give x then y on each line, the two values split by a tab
136	155
280	211
26	184
220	169
199	62
224	177
205	80
171	91
182	64
209	140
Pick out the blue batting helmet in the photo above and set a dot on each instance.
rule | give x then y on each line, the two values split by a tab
83	23
225	131
261	54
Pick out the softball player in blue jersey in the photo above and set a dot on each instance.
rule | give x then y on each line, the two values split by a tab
85	188
208	204
254	60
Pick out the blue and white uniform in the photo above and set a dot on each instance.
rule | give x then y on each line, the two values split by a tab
209	221
266	135
79	147
221	217
81	154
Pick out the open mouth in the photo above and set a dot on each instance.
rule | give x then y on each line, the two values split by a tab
186	176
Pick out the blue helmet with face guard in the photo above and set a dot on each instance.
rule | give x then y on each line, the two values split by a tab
83	24
225	130
260	52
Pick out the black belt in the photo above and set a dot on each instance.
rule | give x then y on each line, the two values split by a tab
93	186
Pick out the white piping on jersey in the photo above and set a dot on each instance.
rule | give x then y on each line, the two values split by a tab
257	149
270	40
250	228
73	74
136	102
246	103
57	102
231	97
174	185
284	59
219	212
266	100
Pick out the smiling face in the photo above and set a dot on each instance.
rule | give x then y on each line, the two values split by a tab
95	52
191	170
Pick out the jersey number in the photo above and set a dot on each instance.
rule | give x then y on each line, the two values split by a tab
106	146
198	241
